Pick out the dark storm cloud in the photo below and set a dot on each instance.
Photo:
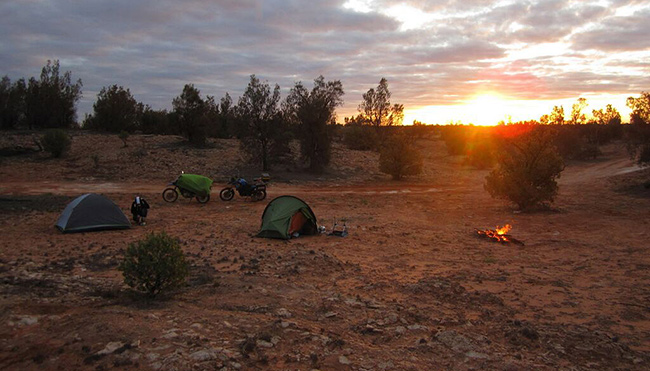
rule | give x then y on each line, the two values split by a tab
155	47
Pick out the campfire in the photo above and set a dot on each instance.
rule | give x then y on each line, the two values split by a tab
500	234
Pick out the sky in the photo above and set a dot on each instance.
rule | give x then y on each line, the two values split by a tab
474	61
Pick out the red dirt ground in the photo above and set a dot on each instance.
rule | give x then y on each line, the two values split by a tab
410	288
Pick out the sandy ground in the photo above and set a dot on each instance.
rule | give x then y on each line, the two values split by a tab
410	288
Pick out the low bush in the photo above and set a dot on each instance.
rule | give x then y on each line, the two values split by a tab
56	142
154	264
527	169
399	157
361	138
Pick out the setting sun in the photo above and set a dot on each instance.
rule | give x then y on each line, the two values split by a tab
490	108
486	109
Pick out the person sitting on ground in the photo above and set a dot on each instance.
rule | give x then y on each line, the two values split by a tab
139	209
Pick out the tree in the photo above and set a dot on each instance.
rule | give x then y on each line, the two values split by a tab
260	121
399	157
640	108
557	116
638	138
225	124
12	102
51	101
577	117
610	116
527	168
311	112
156	122
190	110
376	109
115	110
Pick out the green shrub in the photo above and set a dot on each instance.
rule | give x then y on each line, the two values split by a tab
400	158
361	138
455	138
154	265
56	142
481	153
95	158
527	168
123	135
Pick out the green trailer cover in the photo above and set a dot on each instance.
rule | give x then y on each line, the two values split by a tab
277	215
197	184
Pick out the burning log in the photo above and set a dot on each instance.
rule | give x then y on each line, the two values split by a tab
500	234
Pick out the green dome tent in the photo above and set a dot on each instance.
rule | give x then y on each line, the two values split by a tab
91	212
286	215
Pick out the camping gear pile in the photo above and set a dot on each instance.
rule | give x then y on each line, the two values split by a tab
189	186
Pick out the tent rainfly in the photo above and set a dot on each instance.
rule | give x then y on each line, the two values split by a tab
91	212
285	216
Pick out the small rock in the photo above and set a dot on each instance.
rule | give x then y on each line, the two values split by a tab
264	344
455	341
203	355
110	348
476	355
282	312
330	314
344	360
400	329
417	327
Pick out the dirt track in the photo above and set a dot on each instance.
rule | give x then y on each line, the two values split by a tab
411	287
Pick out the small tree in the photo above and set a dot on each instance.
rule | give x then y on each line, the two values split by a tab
56	142
115	110
400	158
577	117
190	112
12	102
154	264
376	110
261	124
51	101
311	112
527	169
638	138
556	117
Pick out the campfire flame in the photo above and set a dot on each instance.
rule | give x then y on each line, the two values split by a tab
503	230
500	234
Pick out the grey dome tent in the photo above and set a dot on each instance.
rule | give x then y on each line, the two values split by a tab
286	215
91	212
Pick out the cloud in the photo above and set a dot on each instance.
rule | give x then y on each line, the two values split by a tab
615	34
455	48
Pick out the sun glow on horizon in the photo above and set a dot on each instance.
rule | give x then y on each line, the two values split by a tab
488	109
